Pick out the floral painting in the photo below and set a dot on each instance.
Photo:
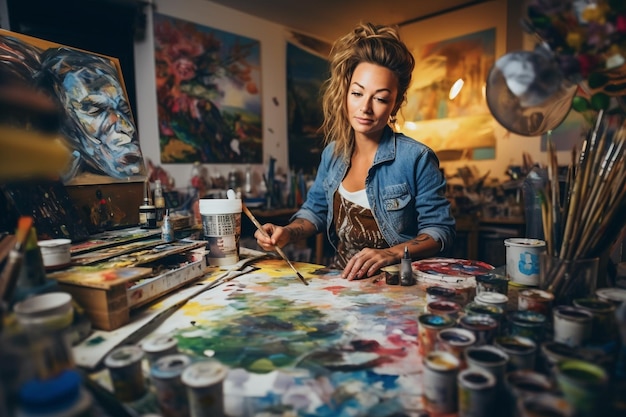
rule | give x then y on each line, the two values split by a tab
208	92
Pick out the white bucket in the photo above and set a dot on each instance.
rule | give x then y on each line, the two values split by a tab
522	260
221	224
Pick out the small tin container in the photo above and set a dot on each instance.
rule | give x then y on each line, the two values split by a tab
204	381
171	394
492	283
493	299
488	358
440	382
124	365
522	384
572	325
552	353
522	351
528	324
157	346
545	404
497	313
603	326
444	308
536	300
483	326
614	296
428	327
455	340
437	293
477	393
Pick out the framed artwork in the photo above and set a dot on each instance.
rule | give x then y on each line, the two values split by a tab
208	94
97	123
306	72
446	108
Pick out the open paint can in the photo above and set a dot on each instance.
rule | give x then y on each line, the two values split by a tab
205	388
221	224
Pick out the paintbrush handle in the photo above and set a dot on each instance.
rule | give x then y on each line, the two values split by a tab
278	249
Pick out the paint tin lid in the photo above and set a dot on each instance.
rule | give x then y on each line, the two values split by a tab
170	366
204	374
613	295
158	343
494	298
476	379
123	356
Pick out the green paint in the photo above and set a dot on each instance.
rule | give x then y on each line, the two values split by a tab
95	341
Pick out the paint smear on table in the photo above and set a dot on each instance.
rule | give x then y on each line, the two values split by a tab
336	347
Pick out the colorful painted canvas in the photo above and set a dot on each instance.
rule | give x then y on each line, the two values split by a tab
98	125
208	94
446	108
335	347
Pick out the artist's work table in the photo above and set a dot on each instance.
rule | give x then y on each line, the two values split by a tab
322	349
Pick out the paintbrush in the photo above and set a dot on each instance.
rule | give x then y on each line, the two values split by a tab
12	268
279	250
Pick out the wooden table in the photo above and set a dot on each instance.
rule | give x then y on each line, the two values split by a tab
329	347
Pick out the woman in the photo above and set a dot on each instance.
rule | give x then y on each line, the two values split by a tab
376	191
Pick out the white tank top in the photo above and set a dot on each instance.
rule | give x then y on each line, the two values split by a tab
356	197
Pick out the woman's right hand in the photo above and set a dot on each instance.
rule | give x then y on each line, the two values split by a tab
276	236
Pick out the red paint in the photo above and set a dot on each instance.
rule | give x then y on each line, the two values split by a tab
336	290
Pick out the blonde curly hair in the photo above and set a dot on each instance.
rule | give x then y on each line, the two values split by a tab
375	44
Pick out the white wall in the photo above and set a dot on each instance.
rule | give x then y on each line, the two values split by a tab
273	81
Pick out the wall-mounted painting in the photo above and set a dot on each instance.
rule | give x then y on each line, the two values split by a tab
208	92
446	107
97	124
306	72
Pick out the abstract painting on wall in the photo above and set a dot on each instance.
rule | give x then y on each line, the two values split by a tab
208	93
446	107
96	120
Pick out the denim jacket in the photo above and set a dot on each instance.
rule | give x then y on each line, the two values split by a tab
404	187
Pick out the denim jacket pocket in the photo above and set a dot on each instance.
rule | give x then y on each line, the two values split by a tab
396	199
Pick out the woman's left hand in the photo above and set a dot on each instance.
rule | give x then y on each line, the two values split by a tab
367	262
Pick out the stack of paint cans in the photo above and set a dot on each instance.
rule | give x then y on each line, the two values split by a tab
512	351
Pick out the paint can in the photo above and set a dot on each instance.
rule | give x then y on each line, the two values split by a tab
124	365
483	326
528	324
522	384
493	299
493	311
522	260
444	308
428	327
157	346
552	353
477	393
221	225
492	283
572	325
170	392
147	215
536	300
204	381
522	351
603	324
585	386
440	382
438	293
615	296
455	340
544	405
488	358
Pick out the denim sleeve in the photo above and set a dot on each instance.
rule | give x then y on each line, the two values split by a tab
315	207
433	208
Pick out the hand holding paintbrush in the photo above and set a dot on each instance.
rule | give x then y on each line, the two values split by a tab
12	268
278	249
